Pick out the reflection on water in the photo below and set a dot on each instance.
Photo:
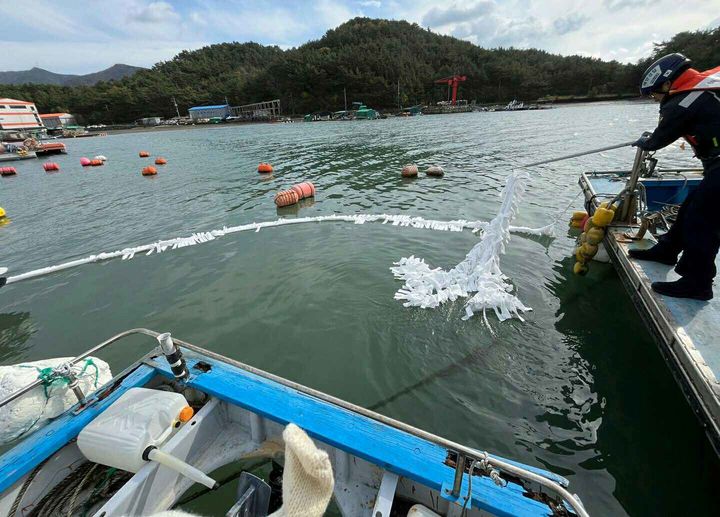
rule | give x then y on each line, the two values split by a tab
16	328
578	387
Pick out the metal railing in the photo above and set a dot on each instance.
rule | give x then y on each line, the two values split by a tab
464	454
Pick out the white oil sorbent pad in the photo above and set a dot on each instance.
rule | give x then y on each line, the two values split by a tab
209	236
479	273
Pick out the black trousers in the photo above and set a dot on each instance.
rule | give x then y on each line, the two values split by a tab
696	231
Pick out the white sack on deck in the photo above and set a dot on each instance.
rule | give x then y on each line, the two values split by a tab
479	273
34	409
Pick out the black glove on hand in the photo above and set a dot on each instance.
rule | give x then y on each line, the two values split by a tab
640	142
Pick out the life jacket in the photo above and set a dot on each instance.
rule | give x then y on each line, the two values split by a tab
692	80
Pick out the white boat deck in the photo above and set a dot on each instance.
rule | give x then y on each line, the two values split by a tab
686	330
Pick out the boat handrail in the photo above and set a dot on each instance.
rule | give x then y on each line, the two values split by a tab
38	382
464	453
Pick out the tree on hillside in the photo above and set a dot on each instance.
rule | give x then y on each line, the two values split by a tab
365	57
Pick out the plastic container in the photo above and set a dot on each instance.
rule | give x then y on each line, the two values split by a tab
419	510
139	419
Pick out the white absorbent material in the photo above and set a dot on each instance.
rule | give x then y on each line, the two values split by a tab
46	402
479	273
161	246
307	479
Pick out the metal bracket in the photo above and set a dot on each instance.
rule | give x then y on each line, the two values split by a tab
254	497
385	495
647	222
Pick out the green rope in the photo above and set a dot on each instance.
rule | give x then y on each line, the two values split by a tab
49	378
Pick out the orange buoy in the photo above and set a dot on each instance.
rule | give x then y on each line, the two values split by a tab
265	167
410	171
303	190
51	166
160	160
7	171
143	154
149	171
286	198
96	163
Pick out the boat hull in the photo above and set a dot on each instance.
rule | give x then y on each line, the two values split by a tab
242	417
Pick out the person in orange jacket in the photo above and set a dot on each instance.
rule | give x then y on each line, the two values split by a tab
690	108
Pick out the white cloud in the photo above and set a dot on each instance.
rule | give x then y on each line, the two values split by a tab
332	13
570	23
457	13
81	36
153	13
619	5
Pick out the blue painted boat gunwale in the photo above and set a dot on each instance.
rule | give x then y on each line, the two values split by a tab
47	440
378	443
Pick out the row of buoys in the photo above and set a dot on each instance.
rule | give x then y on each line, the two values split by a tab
7	171
95	162
411	171
592	235
265	168
294	194
50	166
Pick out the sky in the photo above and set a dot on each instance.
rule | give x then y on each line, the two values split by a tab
83	36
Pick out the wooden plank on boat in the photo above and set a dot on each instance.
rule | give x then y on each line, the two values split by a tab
390	448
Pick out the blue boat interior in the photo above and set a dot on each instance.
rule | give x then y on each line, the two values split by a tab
392	449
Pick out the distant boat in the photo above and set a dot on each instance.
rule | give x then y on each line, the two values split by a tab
45	148
11	157
365	113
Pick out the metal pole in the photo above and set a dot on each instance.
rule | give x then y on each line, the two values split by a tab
628	202
459	471
583	153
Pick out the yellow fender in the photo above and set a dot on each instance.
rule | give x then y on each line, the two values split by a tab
602	217
580	269
594	236
588	251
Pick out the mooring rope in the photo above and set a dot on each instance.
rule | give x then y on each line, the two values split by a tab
161	246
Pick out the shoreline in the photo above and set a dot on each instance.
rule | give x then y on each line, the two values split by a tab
162	128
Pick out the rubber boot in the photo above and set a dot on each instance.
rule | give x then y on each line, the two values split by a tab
657	253
685	288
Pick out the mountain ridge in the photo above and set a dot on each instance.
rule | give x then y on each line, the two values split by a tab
364	60
38	75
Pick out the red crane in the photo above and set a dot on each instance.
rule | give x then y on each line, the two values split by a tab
453	82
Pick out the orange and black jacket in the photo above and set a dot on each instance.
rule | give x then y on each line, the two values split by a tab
691	110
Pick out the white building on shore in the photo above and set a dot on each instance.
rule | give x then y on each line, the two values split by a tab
18	115
58	120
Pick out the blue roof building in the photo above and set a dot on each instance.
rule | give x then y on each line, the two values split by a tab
205	112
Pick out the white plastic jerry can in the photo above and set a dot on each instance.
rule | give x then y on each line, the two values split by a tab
140	419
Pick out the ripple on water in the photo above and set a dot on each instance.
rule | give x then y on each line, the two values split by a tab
578	387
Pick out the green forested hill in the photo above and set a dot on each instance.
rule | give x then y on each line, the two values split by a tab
703	47
367	57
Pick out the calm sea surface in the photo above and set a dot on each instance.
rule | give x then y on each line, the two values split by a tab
578	388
